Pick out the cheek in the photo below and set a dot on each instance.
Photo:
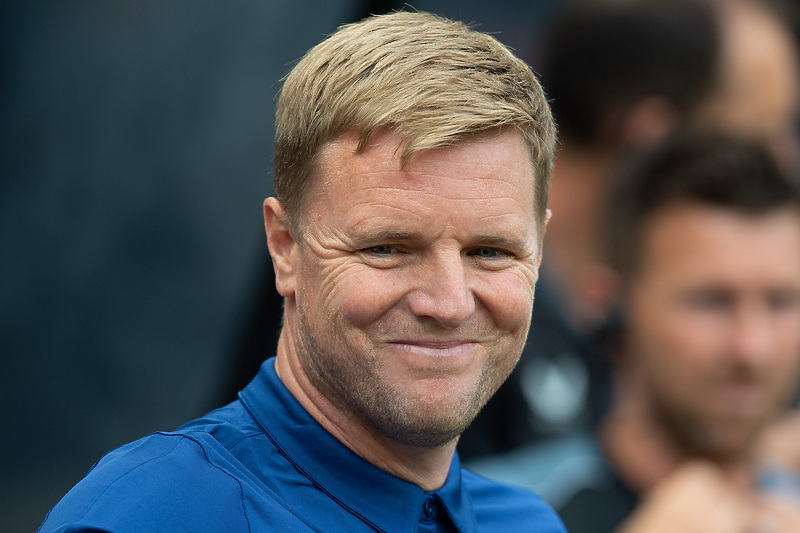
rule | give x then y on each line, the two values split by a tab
508	297
359	294
785	381
666	341
321	288
787	366
663	359
786	331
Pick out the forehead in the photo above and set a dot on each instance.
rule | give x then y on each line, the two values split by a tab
689	243
490	174
761	60
495	151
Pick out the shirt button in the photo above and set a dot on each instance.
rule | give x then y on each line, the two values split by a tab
429	508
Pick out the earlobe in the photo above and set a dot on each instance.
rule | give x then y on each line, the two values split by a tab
282	246
547	215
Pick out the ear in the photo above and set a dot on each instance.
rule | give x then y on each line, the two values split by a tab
547	215
648	122
282	246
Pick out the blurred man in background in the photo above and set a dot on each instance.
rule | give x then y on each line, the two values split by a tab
705	237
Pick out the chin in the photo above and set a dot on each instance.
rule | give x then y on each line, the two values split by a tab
428	422
723	445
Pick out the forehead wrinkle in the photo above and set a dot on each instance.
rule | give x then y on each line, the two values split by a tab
394	215
416	211
516	227
427	199
480	181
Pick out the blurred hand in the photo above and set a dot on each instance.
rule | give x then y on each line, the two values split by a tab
780	443
696	499
776	516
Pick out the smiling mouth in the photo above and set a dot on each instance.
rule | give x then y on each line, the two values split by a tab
742	397
436	348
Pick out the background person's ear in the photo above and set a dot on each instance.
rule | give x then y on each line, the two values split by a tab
648	122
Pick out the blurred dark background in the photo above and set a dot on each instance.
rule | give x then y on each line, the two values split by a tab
136	153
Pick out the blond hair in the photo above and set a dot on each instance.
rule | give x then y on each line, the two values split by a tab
432	80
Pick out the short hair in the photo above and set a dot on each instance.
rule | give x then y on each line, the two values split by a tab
603	56
692	167
433	81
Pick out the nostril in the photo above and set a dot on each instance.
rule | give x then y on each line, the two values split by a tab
448	309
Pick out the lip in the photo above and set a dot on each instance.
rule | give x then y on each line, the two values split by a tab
741	397
435	348
745	392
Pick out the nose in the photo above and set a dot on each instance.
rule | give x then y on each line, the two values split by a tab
752	336
442	290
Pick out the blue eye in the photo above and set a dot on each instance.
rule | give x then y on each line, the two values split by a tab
486	253
383	249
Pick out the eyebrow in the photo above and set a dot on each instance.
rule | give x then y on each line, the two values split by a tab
512	244
386	235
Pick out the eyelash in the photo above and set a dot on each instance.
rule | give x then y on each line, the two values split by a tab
387	249
374	249
494	252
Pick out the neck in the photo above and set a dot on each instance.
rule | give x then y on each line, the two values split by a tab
643	453
425	467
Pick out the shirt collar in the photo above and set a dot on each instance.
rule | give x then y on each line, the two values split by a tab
389	503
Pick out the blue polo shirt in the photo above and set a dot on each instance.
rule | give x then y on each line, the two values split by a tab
263	463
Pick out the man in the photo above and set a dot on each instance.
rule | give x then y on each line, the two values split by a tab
412	161
705	235
621	76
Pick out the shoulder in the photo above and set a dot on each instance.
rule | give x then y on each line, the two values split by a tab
150	483
188	480
499	506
